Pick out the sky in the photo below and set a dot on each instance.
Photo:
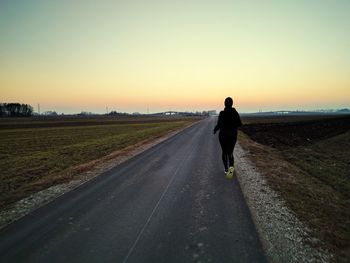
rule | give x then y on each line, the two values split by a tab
133	56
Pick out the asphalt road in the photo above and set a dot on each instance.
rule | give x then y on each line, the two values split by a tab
171	203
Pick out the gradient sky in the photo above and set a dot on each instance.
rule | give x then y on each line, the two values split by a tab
71	55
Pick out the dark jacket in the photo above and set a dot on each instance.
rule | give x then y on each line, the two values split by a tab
228	120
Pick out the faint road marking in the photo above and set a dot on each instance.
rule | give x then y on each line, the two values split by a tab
131	250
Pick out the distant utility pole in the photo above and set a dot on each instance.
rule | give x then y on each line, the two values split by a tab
147	110
39	108
107	109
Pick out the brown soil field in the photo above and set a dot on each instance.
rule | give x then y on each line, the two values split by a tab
316	184
286	132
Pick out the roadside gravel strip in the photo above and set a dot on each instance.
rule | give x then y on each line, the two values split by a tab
89	171
284	237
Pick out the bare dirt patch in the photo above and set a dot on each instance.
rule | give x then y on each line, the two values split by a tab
284	237
307	164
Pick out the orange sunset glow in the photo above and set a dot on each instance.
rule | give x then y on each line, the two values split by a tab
131	56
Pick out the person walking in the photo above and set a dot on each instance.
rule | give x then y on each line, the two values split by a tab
228	123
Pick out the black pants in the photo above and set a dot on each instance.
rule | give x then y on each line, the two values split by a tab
228	141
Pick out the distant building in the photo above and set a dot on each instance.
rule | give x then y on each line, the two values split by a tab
50	113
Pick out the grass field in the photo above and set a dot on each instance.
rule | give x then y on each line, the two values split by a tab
307	161
35	152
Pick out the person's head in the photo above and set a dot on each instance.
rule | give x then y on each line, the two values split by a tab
228	102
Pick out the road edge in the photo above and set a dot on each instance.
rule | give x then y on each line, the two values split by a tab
284	237
88	172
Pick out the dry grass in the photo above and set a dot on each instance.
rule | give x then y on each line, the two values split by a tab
314	181
35	155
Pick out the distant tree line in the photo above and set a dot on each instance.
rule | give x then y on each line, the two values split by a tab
15	110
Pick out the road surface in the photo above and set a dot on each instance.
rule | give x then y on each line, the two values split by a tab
171	203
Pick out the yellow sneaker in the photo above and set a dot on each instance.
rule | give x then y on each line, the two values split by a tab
230	172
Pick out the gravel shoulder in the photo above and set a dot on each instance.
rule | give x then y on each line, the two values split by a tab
284	237
86	172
